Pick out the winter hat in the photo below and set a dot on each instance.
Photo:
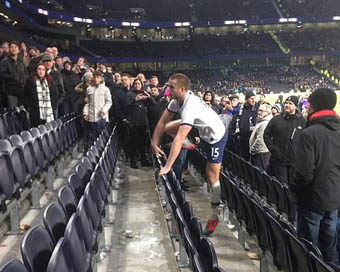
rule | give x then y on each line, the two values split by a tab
249	94
277	107
323	99
87	76
294	99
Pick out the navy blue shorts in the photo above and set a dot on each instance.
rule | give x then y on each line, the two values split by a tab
214	152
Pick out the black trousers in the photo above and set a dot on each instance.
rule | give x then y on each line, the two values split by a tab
137	141
282	172
261	160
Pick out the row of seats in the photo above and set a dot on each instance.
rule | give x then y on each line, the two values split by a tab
274	233
200	254
28	159
13	121
269	188
72	233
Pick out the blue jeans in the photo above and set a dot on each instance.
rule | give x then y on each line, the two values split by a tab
319	228
179	163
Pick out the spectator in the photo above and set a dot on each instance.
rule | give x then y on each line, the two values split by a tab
317	174
121	111
13	75
108	77
57	82
35	58
40	96
259	153
80	91
276	109
137	103
209	99
5	50
281	136
243	124
154	82
82	65
96	110
70	80
59	63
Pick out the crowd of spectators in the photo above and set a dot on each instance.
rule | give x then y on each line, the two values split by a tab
315	40
197	45
296	8
175	10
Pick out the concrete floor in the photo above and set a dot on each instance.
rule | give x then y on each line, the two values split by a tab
140	237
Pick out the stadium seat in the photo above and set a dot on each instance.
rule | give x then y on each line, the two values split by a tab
55	221
80	258
86	227
298	255
13	266
76	185
197	264
60	260
28	152
83	173
67	200
208	255
318	265
36	249
196	231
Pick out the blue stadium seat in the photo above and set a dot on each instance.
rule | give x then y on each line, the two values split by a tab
208	255
55	221
67	200
60	260
76	185
36	249
80	258
13	266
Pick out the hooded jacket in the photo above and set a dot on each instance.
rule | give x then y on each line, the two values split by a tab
256	142
316	180
281	135
99	100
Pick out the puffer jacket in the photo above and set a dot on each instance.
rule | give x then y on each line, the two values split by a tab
99	100
256	142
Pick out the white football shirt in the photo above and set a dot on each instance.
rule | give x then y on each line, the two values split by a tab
194	112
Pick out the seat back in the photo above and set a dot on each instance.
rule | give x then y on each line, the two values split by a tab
76	245
7	179
13	266
67	200
298	255
196	231
85	227
207	254
318	264
55	221
60	260
197	265
5	145
36	249
76	185
83	173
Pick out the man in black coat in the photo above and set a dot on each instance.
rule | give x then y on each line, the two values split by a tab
13	76
316	180
280	137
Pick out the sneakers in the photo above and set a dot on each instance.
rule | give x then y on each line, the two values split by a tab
210	227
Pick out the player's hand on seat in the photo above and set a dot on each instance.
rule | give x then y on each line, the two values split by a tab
164	170
157	151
